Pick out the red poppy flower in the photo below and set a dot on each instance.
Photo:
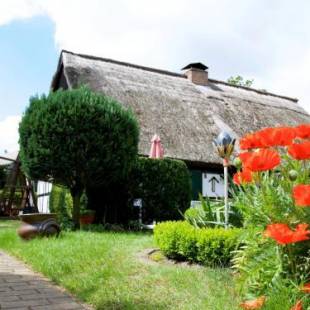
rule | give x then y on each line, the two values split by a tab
303	131
300	151
253	304
264	159
245	156
242	177
306	288
298	306
250	141
278	136
301	194
284	235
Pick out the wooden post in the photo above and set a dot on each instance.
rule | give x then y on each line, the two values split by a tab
13	182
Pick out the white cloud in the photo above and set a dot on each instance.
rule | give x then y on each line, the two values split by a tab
9	133
294	76
18	9
265	40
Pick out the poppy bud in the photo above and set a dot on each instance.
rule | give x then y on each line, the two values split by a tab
292	174
237	163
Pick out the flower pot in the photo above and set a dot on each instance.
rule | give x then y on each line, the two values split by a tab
87	219
38	224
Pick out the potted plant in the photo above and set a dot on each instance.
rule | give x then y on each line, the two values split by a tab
87	216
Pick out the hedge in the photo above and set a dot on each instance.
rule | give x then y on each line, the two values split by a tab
164	186
208	246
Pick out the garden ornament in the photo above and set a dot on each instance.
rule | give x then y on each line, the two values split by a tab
224	144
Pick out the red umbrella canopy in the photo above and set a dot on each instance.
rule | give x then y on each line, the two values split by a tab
157	150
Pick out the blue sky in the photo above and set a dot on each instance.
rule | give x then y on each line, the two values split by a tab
28	59
268	41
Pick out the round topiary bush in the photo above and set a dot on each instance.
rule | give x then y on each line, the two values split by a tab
77	138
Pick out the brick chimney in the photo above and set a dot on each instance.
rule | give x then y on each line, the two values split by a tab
197	73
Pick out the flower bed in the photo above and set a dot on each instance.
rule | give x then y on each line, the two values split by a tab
274	199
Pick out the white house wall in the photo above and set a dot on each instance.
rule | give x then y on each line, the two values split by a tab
43	194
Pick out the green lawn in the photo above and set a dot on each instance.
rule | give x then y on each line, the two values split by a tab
104	269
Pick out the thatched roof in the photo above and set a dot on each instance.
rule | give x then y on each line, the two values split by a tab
186	116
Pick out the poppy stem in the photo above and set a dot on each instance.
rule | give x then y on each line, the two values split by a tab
291	259
305	166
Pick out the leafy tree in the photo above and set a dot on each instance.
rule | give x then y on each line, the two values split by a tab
77	138
240	81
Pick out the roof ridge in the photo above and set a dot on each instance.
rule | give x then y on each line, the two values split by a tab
128	64
259	91
161	71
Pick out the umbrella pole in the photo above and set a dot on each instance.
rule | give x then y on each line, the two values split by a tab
225	164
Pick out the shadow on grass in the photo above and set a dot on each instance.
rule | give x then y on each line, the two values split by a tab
114	228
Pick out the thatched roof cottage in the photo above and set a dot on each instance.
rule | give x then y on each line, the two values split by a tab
187	110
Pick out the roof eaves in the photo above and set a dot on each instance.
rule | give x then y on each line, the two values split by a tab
57	74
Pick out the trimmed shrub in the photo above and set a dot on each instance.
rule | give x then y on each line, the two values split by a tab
79	139
164	186
207	246
60	202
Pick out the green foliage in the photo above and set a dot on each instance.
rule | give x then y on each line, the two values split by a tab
258	262
206	214
240	81
262	264
60	202
208	246
210	213
285	295
272	201
77	138
164	186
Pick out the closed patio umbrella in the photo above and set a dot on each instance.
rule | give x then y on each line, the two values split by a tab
157	150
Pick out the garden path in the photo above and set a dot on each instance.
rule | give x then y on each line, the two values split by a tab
22	288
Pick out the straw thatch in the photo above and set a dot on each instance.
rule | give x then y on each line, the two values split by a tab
186	116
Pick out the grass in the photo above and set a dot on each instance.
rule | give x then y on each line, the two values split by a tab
104	269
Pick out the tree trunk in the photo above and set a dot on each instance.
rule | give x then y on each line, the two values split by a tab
76	197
